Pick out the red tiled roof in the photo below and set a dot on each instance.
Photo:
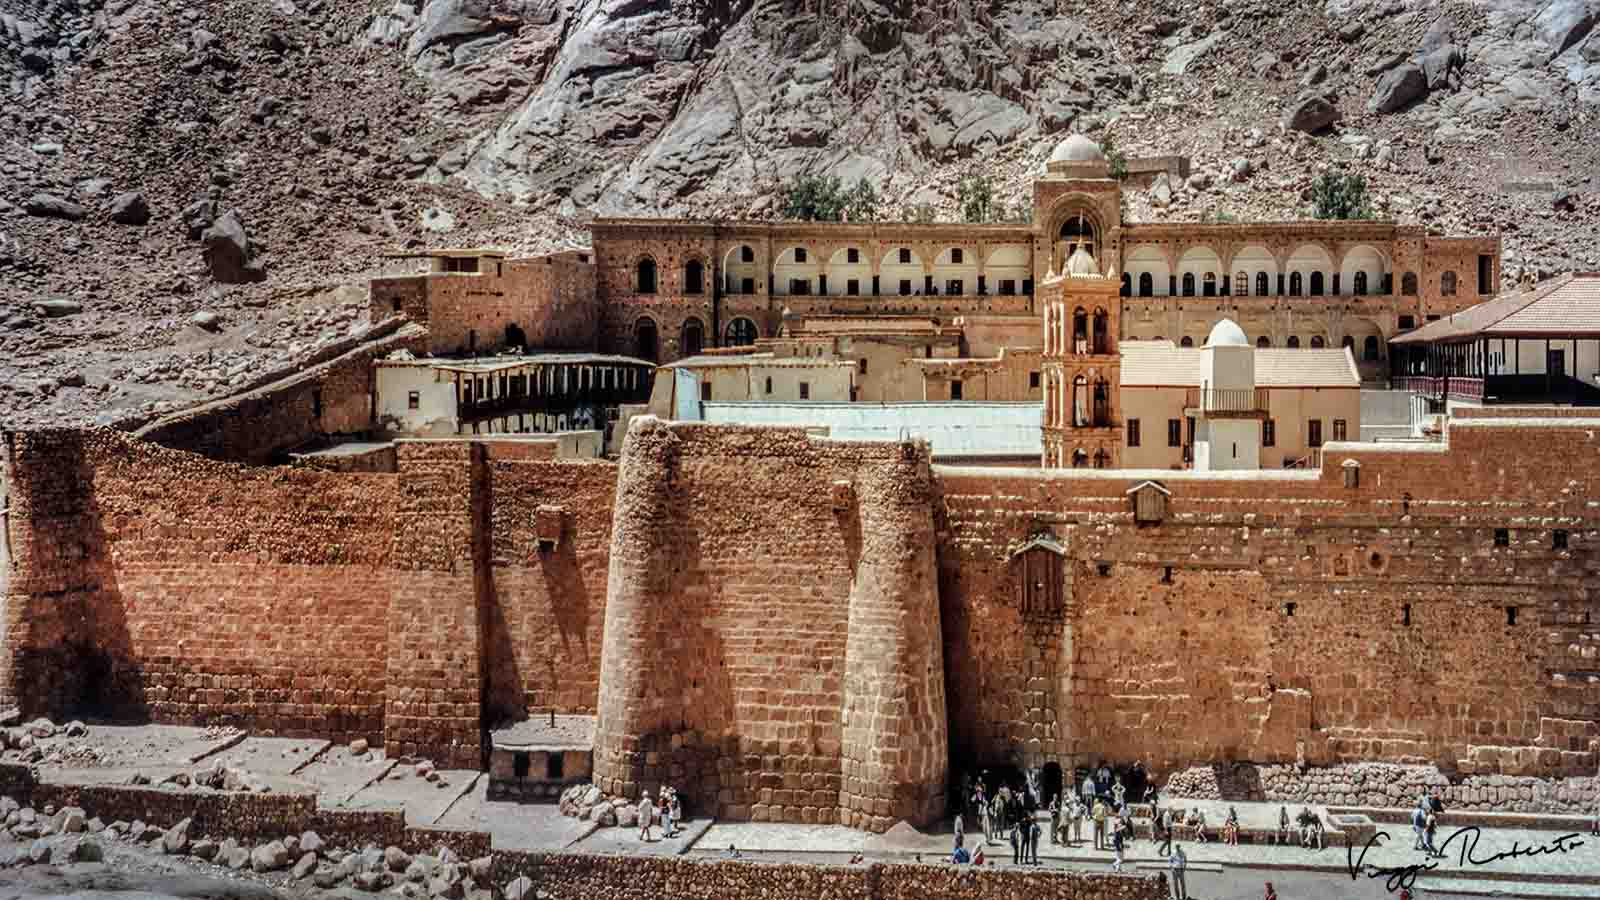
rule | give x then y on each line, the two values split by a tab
1562	307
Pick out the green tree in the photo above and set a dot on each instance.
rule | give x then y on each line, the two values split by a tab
1338	196
975	195
923	213
863	202
1114	157
817	198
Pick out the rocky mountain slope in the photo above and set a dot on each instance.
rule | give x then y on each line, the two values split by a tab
191	194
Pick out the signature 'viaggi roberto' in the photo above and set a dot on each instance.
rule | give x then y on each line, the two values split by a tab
1406	876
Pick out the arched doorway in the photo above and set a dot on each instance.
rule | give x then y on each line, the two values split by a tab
694	337
1317	343
644	339
1050	782
515	337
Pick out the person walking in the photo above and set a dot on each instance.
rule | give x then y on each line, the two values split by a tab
1419	821
1088	790
1116	846
1178	862
1430	829
1016	844
1055	819
1033	840
1271	894
982	806
1166	831
1230	828
677	813
647	812
1076	821
1099	825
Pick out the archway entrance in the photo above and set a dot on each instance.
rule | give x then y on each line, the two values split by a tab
1050	782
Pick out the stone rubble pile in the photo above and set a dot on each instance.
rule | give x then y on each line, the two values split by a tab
588	803
69	835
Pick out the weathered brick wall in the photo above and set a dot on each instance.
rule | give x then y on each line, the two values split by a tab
550	298
164	584
1216	666
257	425
547	607
730	594
437	619
1387	785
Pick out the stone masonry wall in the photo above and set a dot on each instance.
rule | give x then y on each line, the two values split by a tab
730	595
163	584
1231	630
550	298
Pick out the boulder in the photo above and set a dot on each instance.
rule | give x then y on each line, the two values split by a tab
94	826
292	844
1310	113
76	729
39	852
396	859
1186	55
372	882
311	842
176	840
1397	88
358	746
269	857
306	865
480	869
440	886
130	209
1352	32
327	878
198	216
519	889
1439	63
41	728
52	207
229	254
70	820
1240	168
206	850
419	870
85	850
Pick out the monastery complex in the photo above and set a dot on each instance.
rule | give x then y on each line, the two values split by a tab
808	520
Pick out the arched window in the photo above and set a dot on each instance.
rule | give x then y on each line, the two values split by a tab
1078	232
1080	459
694	277
644	339
1294	284
1359	284
1408	284
1186	342
1348	343
1102	459
1369	348
645	282
1188	284
1316	284
1261	284
1102	332
1208	285
1102	404
1146	285
694	336
515	336
1447	284
1294	342
1127	285
1263	341
741	333
1317	343
1242	279
1080	331
1080	402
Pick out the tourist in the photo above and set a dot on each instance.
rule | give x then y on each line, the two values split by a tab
1017	840
978	858
1166	831
1099	825
646	813
1310	828
1033	840
1088	790
1116	846
1271	894
1076	820
1283	825
960	854
997	812
1594	827
1419	822
1155	823
675	812
981	803
1430	830
958	825
1178	862
1197	823
733	852
1230	828
665	809
1118	794
1436	803
1055	819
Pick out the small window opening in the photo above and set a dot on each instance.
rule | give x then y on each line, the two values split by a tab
1511	615
1033	379
955	390
861	366
316	404
1405	615
769	384
1104	569
852	256
705	392
1502	537
520	763
1558	539
805	391
554	766
1166	576
397	304
1288	609
413	400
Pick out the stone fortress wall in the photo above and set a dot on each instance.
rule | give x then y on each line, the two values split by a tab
796	629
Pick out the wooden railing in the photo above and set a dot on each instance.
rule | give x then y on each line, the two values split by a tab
1227	400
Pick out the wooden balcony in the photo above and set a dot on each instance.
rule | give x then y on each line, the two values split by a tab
1224	403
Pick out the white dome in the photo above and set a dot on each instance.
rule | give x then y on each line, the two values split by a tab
1081	262
1077	148
1227	333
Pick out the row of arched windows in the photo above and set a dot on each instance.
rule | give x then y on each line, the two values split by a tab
645	280
1370	347
1292	284
741	332
1080	459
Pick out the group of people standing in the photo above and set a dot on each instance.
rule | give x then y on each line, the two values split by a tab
665	807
